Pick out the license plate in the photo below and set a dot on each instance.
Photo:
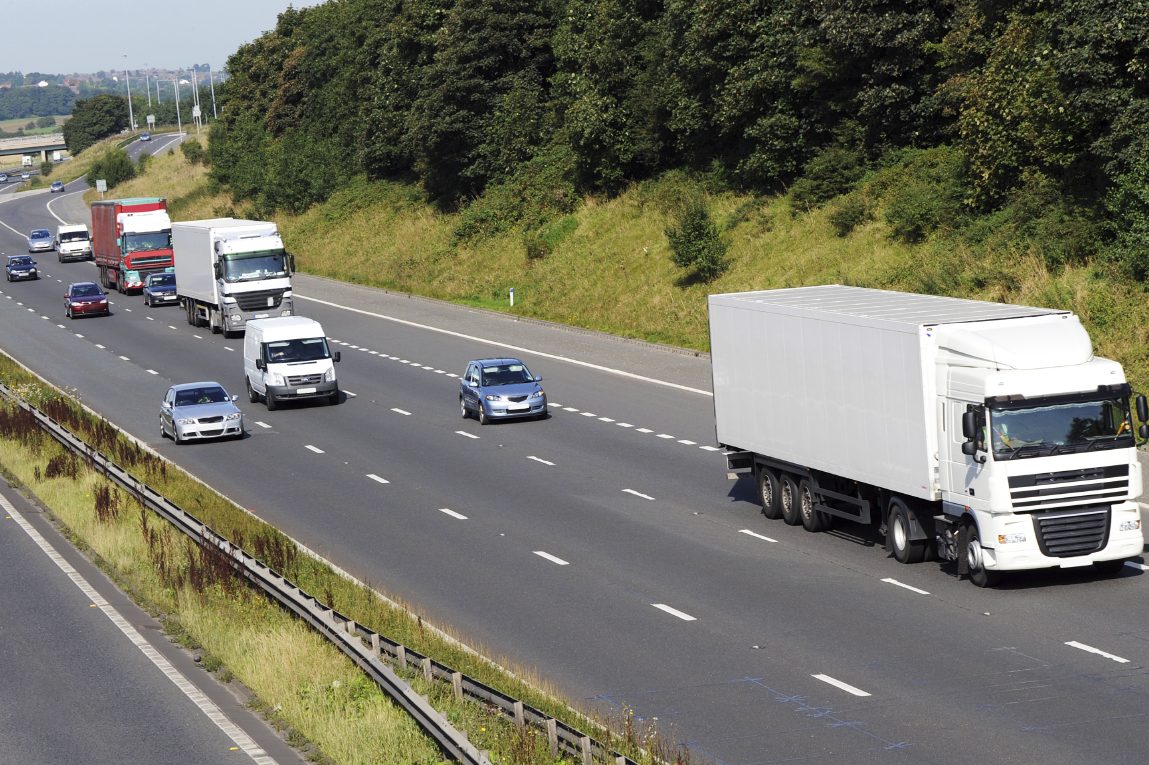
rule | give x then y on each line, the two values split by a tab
301	391
518	408
1074	562
262	315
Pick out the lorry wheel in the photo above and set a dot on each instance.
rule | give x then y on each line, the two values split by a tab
812	519
252	396
788	500
768	491
978	574
905	550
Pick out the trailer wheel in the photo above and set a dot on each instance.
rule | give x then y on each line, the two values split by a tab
905	550
812	519
788	500
974	556
768	493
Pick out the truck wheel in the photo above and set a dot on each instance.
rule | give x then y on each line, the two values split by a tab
768	493
788	501
977	570
812	519
252	396
271	401
898	527
215	328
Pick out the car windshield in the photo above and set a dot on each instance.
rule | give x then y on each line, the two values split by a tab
286	351
86	290
74	236
146	242
205	395
21	261
162	280
505	374
40	233
249	266
1059	428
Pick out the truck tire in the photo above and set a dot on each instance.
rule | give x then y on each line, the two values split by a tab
215	328
252	396
978	574
812	519
768	493
898	527
788	501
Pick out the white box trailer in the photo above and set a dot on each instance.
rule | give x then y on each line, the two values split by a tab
889	408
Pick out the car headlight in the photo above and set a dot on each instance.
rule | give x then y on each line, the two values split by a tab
492	397
274	378
233	416
31	270
538	394
185	421
103	301
77	305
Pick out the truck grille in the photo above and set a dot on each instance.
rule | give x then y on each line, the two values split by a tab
296	380
1107	484
153	262
1070	533
258	300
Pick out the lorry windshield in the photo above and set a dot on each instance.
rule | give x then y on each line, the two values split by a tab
74	236
301	349
249	266
1060	428
148	241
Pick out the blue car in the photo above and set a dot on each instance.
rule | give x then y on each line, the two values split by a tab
496	389
160	289
20	268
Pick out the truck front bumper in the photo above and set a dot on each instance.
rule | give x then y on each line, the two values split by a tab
1014	542
318	390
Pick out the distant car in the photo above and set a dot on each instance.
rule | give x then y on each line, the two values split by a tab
25	175
494	389
40	240
160	289
84	298
56	186
193	411
20	268
145	136
3	177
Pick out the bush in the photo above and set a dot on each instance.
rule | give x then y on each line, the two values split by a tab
115	167
696	243
849	212
193	151
46	169
925	191
830	173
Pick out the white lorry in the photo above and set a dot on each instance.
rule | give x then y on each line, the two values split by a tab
287	359
73	242
982	433
230	271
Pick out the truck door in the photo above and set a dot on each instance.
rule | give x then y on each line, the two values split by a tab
967	480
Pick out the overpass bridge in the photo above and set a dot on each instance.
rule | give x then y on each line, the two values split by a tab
31	145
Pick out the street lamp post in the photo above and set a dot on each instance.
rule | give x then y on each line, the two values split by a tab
176	85
128	84
148	85
211	80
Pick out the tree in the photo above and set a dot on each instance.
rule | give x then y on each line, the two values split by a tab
695	242
93	120
115	167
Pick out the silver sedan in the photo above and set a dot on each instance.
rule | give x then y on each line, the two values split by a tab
41	240
194	411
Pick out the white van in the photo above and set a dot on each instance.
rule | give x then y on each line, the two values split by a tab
73	243
288	358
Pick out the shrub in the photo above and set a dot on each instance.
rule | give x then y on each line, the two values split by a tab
849	212
115	167
696	243
830	173
924	191
46	169
194	152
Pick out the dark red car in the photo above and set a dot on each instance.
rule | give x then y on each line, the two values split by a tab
84	298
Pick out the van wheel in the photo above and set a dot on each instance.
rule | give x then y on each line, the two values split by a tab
252	396
768	493
975	557
271	401
812	519
905	550
788	500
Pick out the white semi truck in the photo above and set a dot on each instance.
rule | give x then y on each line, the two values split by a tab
982	433
230	271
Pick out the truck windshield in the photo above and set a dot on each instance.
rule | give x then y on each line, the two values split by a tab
148	241
1059	428
301	349
74	236
249	266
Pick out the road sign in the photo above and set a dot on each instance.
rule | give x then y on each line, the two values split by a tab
151	120
101	185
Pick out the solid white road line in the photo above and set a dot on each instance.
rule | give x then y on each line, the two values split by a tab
906	586
465	433
1098	651
452	513
539	459
839	684
262	424
374	477
400	411
315	449
637	494
674	612
551	558
756	535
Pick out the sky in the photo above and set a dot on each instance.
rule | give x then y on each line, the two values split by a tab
67	36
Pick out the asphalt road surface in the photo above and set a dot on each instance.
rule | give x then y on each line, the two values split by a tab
604	549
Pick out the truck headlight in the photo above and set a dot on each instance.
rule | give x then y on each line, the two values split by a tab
1010	539
1130	525
329	375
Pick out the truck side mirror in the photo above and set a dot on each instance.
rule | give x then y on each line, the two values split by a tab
336	356
969	426
260	364
218	271
1142	409
1143	431
290	263
969	448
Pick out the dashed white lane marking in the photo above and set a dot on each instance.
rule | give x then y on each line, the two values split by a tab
888	580
129	310
152	372
552	558
397	410
465	433
440	371
149	318
664	435
452	374
427	368
376	478
605	419
674	612
374	353
198	337
315	449
1098	651
624	424
171	326
43	317
638	494
197	697
756	535
839	684
452	513
353	347
1136	566
588	414
570	409
540	459
687	441
100	346
710	448
125	358
79	335
229	348
645	430
262	424
61	326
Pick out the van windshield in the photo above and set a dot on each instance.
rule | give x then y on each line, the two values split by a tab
74	236
303	349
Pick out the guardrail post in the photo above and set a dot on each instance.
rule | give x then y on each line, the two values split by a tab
375	645
619	760
553	736
457	685
520	718
427	670
584	746
401	656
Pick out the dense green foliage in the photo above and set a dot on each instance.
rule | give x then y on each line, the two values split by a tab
1028	112
35	102
94	119
115	167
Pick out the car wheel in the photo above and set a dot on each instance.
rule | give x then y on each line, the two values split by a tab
147	302
464	412
483	419
252	396
163	431
176	436
68	313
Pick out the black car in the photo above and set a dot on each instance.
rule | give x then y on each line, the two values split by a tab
20	268
160	289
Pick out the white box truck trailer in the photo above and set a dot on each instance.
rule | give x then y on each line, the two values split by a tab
982	433
230	271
